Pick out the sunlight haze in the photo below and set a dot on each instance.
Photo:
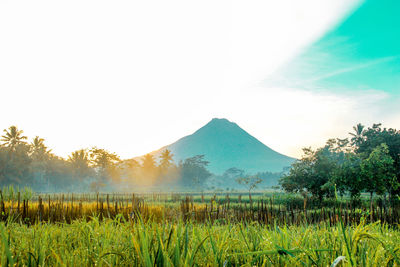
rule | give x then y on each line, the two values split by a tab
133	76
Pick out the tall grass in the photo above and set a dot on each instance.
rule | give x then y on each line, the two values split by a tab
35	208
176	230
119	243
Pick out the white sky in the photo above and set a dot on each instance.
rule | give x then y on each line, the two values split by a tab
132	76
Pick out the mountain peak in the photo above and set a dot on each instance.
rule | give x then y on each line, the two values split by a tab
216	120
218	125
225	144
219	121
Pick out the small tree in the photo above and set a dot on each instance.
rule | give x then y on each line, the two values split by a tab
250	182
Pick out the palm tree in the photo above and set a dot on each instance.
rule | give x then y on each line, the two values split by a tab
38	148
40	156
149	169
166	159
357	134
13	137
148	163
80	163
79	158
37	143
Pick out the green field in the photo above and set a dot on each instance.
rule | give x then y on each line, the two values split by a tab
195	230
120	243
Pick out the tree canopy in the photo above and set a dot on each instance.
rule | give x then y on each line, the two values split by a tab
367	162
33	164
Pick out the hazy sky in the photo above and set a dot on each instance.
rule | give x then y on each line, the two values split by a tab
132	76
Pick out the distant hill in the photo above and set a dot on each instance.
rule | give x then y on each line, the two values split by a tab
226	145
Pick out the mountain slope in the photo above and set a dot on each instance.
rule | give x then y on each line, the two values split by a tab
226	145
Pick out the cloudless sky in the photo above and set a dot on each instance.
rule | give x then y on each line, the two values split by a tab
132	76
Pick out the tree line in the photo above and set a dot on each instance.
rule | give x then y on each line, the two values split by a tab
368	161
24	163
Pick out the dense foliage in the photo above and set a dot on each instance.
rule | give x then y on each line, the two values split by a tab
33	164
367	162
95	169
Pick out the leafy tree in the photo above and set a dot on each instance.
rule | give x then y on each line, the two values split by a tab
296	180
314	172
250	182
348	176
378	171
194	170
105	164
102	159
58	176
375	136
324	166
370	162
15	165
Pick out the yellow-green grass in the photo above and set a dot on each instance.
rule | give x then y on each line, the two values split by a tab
128	243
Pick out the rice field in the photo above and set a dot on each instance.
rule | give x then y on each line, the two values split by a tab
268	209
116	242
182	229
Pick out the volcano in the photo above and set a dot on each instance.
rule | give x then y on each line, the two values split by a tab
225	145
